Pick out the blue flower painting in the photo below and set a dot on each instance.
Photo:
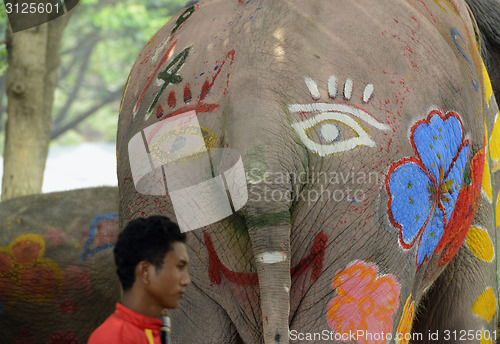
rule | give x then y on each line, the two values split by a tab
424	189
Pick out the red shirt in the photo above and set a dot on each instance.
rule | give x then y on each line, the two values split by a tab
125	326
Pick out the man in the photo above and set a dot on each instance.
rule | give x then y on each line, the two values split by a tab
151	260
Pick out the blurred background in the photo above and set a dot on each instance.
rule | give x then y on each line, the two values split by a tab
88	54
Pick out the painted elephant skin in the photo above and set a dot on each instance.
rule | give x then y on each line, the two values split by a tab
57	275
332	163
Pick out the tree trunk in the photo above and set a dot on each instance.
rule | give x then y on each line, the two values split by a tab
33	58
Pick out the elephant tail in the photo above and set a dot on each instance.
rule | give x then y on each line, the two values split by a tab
270	237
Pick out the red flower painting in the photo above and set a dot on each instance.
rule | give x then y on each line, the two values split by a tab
25	272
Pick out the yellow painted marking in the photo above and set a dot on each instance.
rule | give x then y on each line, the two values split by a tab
485	305
124	91
34	238
149	334
487	179
157	146
495	140
450	6
405	322
152	40
438	2
488	90
480	244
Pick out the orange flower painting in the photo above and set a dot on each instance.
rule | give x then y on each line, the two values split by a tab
365	302
25	272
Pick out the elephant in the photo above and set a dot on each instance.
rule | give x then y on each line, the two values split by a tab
57	275
332	162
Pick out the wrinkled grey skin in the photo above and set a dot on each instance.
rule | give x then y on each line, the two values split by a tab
487	15
242	65
77	229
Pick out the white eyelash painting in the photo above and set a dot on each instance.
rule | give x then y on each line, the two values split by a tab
331	115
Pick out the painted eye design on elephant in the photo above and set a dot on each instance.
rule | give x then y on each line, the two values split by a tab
331	126
335	121
184	142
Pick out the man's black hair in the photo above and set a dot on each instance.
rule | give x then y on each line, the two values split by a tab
147	239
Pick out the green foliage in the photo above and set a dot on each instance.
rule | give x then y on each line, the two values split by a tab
3	14
3	59
3	46
108	35
121	17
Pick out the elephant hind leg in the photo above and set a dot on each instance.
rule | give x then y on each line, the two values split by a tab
461	306
199	319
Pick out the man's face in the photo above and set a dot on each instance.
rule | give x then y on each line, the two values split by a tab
168	284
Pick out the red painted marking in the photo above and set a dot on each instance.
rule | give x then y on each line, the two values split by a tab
418	23
463	213
171	99
159	111
455	6
428	10
205	89
187	93
216	268
62	337
68	306
207	86
78	278
56	236
200	107
152	76
314	261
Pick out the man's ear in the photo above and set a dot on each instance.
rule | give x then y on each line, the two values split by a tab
142	272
